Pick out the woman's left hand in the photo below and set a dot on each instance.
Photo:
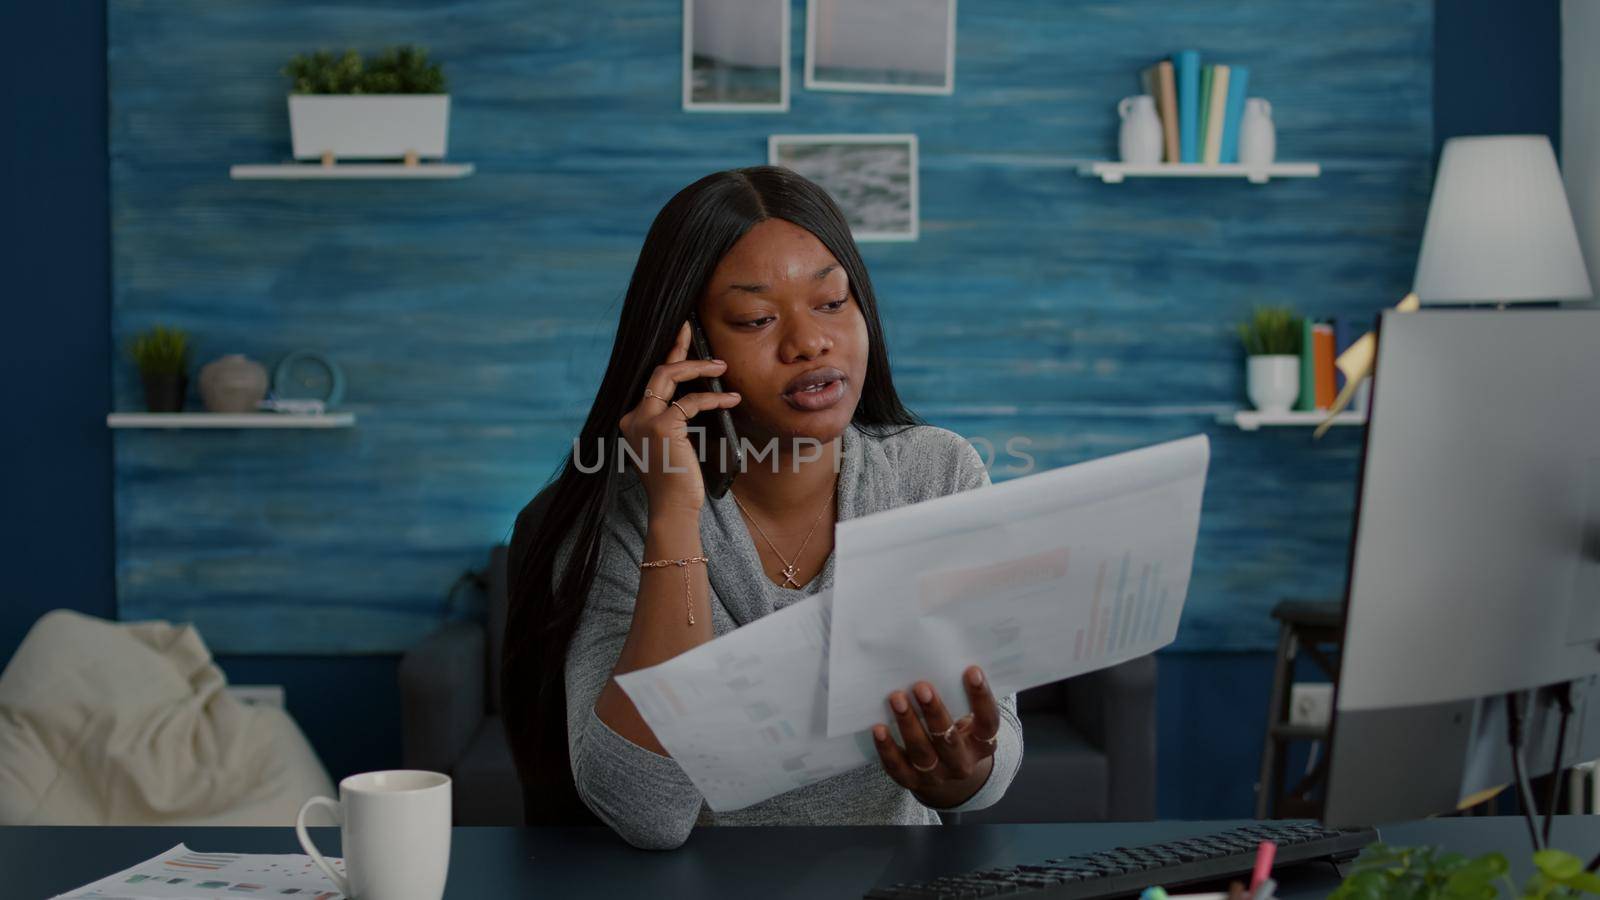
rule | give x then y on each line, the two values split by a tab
939	751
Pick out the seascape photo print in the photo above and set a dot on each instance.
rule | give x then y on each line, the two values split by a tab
735	55
886	46
873	177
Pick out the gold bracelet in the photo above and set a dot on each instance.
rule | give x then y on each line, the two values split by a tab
688	594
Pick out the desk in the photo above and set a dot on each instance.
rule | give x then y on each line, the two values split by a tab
799	862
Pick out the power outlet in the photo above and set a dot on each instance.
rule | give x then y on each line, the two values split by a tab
1311	704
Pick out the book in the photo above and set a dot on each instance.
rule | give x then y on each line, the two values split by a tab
1207	73
1344	334
1308	376
1322	362
1188	68
1218	103
1167	108
1238	80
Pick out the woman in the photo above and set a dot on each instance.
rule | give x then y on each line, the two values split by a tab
766	263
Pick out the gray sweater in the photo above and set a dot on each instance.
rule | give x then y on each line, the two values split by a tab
646	797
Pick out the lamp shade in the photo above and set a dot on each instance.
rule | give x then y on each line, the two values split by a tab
1499	227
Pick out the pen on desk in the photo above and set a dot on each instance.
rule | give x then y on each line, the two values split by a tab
1265	851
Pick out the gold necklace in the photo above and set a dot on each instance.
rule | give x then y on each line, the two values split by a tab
789	568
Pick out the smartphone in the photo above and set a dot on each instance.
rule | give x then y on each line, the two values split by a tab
717	470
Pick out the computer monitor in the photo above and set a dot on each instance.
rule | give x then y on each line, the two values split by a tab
1475	561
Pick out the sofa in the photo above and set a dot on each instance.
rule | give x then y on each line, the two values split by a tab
1089	742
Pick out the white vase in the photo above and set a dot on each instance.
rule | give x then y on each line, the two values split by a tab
1258	137
1139	140
1273	382
232	384
369	126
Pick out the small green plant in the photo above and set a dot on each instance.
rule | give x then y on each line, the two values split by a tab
1425	873
161	351
398	70
1272	331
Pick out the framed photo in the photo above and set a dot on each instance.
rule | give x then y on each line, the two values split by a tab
873	177
736	55
889	46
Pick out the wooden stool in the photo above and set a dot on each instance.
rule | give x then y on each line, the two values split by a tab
1317	627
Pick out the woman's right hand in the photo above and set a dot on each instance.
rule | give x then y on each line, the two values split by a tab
655	425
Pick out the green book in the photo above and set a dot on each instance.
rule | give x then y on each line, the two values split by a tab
1205	105
1308	370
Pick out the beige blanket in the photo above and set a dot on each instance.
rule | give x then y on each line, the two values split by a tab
105	723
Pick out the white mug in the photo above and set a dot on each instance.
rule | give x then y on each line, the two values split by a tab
395	828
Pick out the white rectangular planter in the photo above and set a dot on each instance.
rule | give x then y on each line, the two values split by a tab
369	126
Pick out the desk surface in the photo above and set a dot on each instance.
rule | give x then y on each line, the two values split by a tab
773	862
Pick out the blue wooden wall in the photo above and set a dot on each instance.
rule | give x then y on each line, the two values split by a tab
473	317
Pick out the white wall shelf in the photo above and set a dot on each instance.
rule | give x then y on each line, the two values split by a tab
1250	420
230	420
1114	172
305	171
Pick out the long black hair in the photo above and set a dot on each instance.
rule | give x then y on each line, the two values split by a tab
687	240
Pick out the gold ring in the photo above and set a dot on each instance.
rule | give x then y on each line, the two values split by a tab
650	393
686	416
992	741
948	734
921	769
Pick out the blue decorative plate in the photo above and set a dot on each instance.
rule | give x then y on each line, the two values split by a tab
309	375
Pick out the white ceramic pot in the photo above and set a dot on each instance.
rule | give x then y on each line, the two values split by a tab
1139	141
232	384
369	126
1273	382
1258	137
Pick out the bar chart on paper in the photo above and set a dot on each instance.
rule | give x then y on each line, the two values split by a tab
1123	615
1035	580
742	714
1107	604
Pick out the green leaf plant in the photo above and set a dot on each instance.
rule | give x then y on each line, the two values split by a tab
398	70
1425	873
161	351
1272	331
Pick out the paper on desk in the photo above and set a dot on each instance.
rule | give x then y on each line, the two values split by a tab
743	713
1035	579
183	874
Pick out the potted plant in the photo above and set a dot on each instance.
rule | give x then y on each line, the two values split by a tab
1426	873
1271	340
162	355
394	107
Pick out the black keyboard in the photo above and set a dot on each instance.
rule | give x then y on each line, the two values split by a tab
1127	871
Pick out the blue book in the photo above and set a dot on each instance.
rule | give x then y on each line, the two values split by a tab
1345	333
1237	79
1188	66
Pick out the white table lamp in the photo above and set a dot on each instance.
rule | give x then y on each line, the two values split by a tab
1499	228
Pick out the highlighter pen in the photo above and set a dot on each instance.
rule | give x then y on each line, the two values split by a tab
1265	851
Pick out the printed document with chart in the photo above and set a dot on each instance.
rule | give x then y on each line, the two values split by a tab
1035	579
743	714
